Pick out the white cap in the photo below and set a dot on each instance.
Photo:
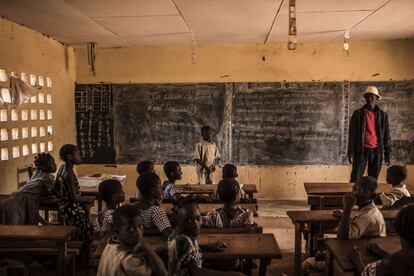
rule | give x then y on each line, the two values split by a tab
372	90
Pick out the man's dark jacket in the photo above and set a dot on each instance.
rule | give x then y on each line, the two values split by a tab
357	133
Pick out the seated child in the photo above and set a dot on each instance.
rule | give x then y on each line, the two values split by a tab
127	252
231	215
153	216
396	175
172	170
399	263
230	171
111	192
72	205
184	253
22	207
368	221
143	167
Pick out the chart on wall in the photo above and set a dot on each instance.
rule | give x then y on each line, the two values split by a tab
398	102
94	123
161	122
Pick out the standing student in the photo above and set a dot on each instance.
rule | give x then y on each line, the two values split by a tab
72	205
399	263
396	175
369	137
127	252
143	167
231	215
184	253
368	221
22	207
153	216
206	156
112	194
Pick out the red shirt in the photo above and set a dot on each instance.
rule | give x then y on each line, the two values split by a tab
370	139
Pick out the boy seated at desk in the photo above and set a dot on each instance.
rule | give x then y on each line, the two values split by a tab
367	222
143	167
184	253
396	175
399	263
153	216
230	171
111	192
127	253
231	215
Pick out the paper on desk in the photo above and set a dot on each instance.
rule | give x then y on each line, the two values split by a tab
93	181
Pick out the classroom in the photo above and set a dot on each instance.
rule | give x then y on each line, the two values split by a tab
268	137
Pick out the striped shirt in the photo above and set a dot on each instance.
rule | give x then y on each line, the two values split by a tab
219	219
155	217
104	222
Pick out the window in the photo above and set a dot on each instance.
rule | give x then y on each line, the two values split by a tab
49	98
23	77
42	132
14	115
25	150
16	152
33	79
34	132
5	95
15	133
50	146
3	115
25	132
42	115
34	148
4	154
41	98
33	99
42	147
24	115
3	75
33	114
4	135
50	130
49	115
41	81
48	82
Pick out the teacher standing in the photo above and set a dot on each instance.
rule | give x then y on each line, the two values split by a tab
369	137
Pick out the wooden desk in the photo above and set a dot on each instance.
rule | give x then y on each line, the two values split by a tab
33	233
249	246
338	188
249	189
206	208
252	201
299	218
339	250
228	231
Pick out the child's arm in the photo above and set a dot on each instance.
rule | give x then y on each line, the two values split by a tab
343	228
199	271
356	257
157	265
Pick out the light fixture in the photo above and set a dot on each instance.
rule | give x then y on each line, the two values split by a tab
91	56
346	42
292	25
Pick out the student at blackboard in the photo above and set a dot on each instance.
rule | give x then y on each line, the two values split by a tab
72	205
206	156
369	137
111	192
153	216
142	167
22	207
396	175
231	215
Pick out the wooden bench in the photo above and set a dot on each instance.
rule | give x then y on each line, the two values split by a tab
212	201
206	208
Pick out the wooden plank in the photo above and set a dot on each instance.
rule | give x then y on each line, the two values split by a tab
36	232
340	250
206	208
340	188
228	231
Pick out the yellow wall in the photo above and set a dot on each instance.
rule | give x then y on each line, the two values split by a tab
24	50
244	63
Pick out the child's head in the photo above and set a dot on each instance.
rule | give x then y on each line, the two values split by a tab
364	190
188	217
145	166
149	185
404	225
172	170
70	153
228	190
396	175
206	132
127	224
230	171
111	191
45	162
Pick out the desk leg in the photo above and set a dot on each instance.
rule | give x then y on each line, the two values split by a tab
312	240
248	267
250	195
263	266
61	258
328	263
298	249
47	216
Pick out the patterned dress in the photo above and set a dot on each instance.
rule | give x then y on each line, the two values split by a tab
170	191
103	223
155	218
181	251
219	219
22	207
72	212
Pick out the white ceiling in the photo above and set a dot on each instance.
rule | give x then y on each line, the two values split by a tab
113	23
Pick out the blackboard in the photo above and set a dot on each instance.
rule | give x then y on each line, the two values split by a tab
398	102
94	123
287	123
162	122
